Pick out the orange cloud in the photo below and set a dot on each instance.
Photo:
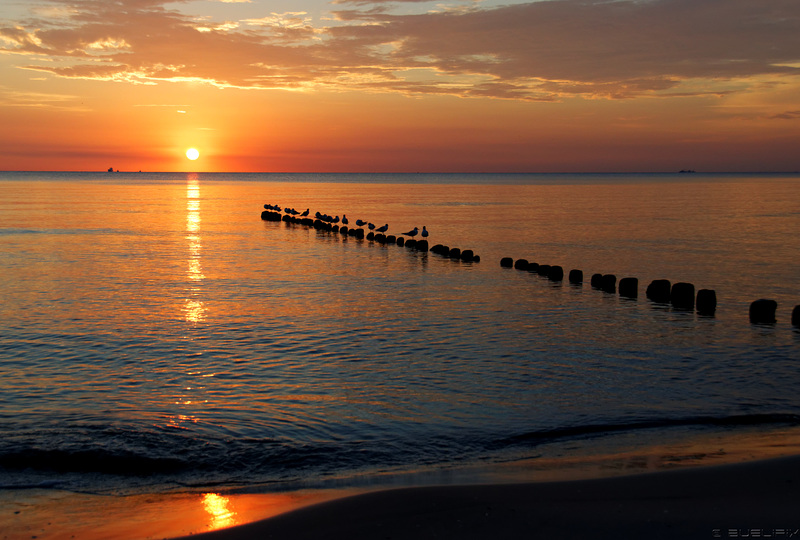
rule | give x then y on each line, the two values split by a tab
376	85
539	51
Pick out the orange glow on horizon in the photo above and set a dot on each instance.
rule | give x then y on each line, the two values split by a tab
191	73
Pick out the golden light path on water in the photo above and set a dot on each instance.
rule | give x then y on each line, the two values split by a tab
194	309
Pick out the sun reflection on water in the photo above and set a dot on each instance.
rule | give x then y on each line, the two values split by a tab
219	510
194	309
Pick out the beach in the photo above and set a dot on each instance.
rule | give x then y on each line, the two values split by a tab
751	500
725	487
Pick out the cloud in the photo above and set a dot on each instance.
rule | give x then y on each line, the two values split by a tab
529	51
39	100
787	115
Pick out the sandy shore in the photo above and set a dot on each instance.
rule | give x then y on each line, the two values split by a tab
748	500
719	486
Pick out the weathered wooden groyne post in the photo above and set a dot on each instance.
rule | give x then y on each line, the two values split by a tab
576	276
268	215
507	262
682	295
629	287
659	291
796	316
763	311
609	283
706	302
556	273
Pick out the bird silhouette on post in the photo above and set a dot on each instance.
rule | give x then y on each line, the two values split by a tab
424	232
382	229
412	233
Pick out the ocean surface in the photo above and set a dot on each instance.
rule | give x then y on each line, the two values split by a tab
156	335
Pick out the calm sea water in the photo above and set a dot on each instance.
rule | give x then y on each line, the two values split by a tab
156	334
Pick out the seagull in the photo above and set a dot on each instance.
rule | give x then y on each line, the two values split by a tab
424	232
304	214
383	229
360	223
344	219
412	233
371	226
335	220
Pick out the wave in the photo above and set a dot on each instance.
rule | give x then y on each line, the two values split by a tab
599	430
194	461
98	461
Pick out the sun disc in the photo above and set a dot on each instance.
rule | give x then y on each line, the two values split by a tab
192	153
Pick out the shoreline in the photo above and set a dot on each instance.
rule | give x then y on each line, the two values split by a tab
683	474
754	499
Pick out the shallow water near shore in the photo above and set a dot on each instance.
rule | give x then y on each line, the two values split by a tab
158	337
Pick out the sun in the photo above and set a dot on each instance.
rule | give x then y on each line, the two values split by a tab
192	153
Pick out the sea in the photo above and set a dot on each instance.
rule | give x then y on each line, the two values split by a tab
158	336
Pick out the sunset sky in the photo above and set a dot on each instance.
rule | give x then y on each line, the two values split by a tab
402	85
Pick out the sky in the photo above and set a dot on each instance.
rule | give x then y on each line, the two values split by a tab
400	85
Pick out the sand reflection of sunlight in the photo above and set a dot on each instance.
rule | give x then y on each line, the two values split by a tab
194	309
218	508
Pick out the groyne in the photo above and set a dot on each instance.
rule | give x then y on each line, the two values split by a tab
680	296
331	224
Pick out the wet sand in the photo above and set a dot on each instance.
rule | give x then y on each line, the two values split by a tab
708	487
755	499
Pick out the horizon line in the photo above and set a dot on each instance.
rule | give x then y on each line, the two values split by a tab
683	171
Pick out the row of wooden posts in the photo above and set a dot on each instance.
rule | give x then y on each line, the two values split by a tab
466	255
680	295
